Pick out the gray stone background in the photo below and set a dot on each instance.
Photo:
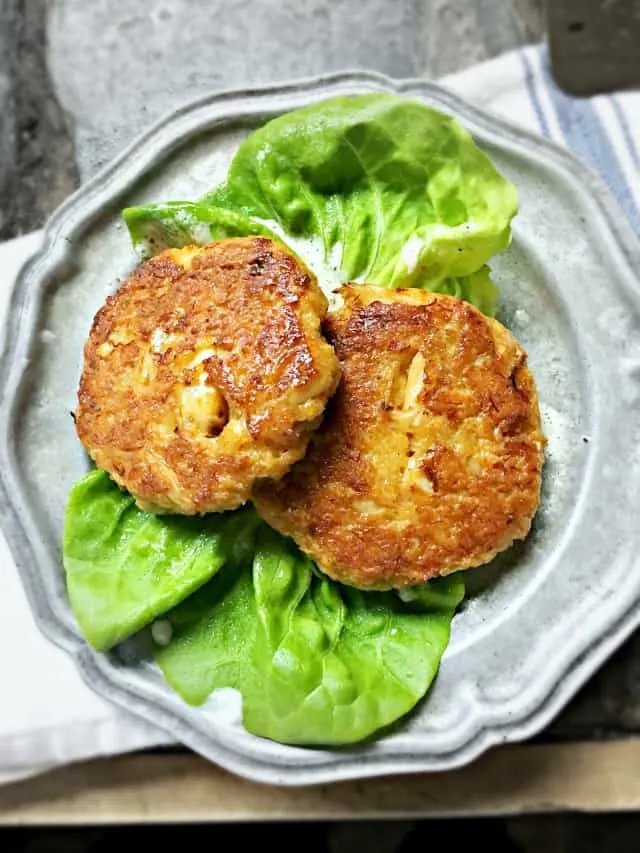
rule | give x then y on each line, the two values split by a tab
79	78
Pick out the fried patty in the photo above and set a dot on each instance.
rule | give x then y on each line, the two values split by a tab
430	455
206	372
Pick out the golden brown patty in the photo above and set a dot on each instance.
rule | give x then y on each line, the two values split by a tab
206	371
429	458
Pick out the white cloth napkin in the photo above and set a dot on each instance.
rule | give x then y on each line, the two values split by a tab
73	723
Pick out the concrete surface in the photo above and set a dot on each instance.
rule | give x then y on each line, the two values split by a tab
150	57
37	158
608	30
99	72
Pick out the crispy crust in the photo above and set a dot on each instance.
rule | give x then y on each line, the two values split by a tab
429	459
206	371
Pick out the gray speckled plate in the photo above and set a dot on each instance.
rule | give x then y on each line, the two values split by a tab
523	643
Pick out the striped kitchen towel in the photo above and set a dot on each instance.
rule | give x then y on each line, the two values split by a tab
73	723
603	131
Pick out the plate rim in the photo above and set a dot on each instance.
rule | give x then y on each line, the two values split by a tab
77	213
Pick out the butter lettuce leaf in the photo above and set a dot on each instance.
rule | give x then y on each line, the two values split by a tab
381	188
477	288
398	193
156	227
125	567
316	663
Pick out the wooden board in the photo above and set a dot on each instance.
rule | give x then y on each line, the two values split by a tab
594	777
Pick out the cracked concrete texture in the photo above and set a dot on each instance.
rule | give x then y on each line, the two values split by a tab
117	67
37	163
7	127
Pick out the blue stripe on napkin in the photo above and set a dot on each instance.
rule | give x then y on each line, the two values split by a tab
584	132
626	131
532	91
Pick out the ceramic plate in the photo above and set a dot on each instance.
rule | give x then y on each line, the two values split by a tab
529	634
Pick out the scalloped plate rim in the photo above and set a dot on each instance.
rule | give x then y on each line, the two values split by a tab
76	214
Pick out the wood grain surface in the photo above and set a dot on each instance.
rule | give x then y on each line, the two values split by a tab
594	777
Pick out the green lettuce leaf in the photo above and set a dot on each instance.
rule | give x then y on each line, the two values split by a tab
154	228
315	662
381	188
125	567
477	288
174	224
398	193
